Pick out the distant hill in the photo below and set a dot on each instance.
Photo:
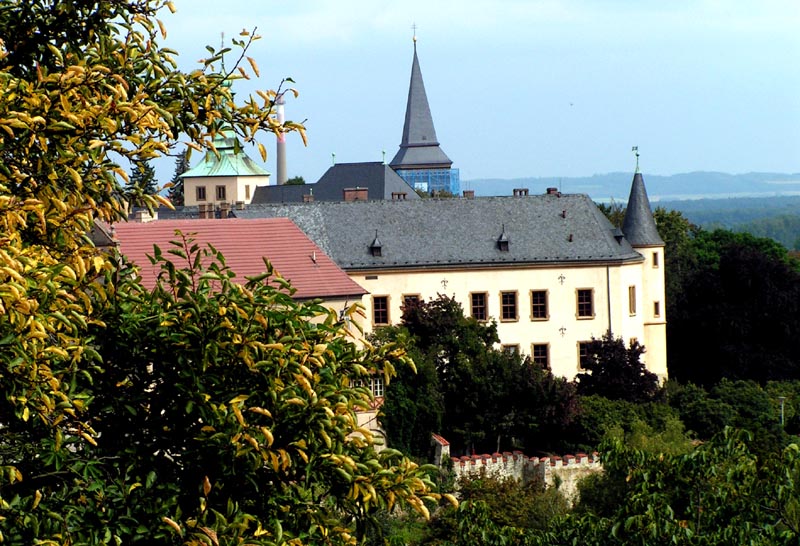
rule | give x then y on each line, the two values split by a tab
763	204
605	187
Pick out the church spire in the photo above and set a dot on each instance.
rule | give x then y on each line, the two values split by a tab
419	147
639	225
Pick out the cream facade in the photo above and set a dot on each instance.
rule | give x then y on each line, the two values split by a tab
222	189
623	298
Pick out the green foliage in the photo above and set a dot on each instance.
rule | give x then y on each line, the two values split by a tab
512	503
202	412
143	179
654	426
703	415
617	372
295	181
175	192
715	494
496	510
743	294
413	406
486	400
223	409
615	212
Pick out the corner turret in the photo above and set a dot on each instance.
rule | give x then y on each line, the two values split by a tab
639	226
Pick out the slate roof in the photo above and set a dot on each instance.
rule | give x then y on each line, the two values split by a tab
231	161
419	147
639	226
379	179
244	243
458	232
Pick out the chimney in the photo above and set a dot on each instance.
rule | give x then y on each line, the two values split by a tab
239	205
519	192
308	198
281	150
469	194
355	194
142	216
553	191
224	210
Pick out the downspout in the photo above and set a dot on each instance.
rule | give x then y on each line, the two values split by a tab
608	296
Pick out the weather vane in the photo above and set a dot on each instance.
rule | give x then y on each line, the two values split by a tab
414	28
635	150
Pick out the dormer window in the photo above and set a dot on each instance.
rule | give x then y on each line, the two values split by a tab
376	248
502	241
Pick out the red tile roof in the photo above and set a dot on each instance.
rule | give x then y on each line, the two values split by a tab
244	243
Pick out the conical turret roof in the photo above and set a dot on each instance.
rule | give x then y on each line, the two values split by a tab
419	147
639	225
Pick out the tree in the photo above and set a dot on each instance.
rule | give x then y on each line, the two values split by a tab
201	411
295	181
743	294
490	399
413	406
175	192
617	372
143	178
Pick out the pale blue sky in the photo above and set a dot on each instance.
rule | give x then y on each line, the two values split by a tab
527	88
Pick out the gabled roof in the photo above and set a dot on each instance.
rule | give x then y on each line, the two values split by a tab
243	243
378	178
230	160
639	226
458	233
419	147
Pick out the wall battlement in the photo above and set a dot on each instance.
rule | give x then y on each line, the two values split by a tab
562	472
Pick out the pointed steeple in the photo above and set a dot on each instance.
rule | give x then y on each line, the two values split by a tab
419	147
639	226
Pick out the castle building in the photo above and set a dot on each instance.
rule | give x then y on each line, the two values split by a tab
550	269
420	161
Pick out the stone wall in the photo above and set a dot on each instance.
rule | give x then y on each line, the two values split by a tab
562	472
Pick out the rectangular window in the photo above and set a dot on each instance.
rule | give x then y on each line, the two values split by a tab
220	193
632	300
380	310
585	298
376	386
247	191
410	299
508	306
201	193
540	355
655	259
478	306
511	349
656	308
539	305
583	354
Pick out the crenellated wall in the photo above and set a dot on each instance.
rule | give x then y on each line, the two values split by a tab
562	472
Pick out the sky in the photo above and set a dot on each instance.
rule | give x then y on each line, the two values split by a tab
524	88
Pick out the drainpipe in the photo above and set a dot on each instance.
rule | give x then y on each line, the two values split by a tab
608	296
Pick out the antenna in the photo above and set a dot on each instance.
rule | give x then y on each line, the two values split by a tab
635	150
